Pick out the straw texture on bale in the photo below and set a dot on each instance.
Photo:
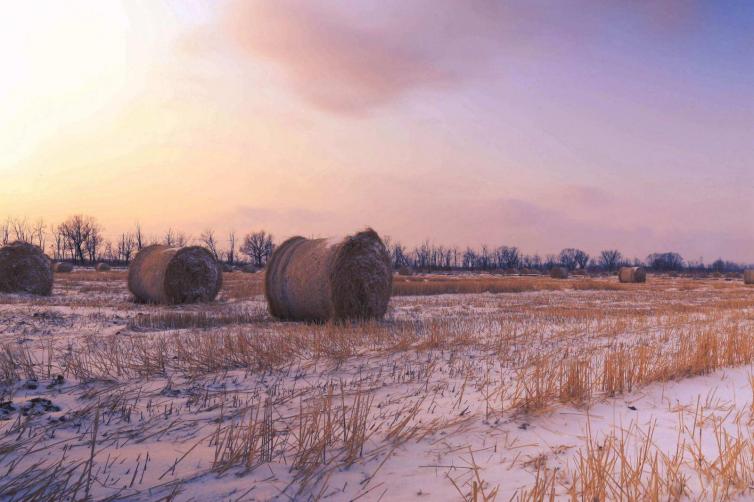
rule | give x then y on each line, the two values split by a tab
559	273
63	267
632	274
162	274
749	276
24	268
319	280
102	267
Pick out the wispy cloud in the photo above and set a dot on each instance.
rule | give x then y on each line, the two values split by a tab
349	58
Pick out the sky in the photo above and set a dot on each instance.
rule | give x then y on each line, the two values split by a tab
543	125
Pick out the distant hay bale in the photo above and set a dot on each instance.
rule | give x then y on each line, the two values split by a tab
249	269
227	268
24	268
632	274
749	276
559	273
162	274
102	267
318	279
404	270
63	267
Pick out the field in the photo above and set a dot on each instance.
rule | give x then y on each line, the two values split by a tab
474	387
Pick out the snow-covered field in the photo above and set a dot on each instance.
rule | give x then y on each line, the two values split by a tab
606	390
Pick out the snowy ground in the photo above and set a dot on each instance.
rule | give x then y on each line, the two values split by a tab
624	392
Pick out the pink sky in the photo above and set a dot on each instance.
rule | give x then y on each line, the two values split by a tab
568	125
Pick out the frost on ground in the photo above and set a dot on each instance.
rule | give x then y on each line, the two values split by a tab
607	391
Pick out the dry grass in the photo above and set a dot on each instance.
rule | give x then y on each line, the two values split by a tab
464	284
319	399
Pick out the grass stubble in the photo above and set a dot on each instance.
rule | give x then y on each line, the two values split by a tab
289	406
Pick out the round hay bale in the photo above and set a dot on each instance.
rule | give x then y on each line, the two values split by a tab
749	276
320	279
63	267
162	274
102	267
559	273
24	268
249	269
405	271
632	274
227	268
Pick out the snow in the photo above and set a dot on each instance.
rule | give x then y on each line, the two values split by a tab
158	434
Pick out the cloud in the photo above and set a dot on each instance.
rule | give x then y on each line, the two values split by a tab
351	57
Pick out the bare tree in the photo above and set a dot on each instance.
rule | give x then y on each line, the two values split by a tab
21	229
126	245
181	239
5	232
610	258
581	258
82	235
665	261
208	239
232	247
139	237
93	243
258	246
507	257
169	239
39	233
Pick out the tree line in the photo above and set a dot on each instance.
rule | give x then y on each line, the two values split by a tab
80	239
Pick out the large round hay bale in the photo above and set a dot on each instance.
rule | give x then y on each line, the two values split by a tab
559	273
320	279
102	267
749	276
632	274
162	274
63	267
24	268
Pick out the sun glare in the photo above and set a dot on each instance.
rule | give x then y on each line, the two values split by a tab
62	62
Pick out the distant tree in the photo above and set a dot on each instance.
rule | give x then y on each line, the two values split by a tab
181	239
508	257
139	237
21	229
126	246
398	255
665	262
93	243
232	247
39	233
610	258
169	238
208	239
81	235
582	259
258	246
5	232
109	253
572	258
469	259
